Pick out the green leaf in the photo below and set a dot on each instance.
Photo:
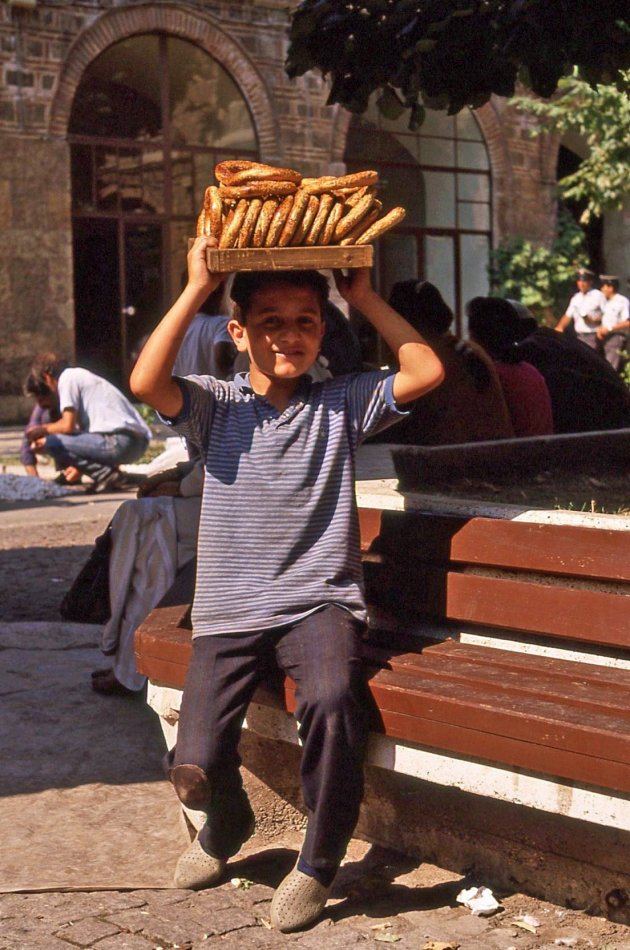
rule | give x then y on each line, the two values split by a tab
389	104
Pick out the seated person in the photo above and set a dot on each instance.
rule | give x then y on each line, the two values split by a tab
587	395
492	323
98	429
45	410
152	537
207	348
469	405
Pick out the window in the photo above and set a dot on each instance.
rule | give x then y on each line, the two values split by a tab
441	176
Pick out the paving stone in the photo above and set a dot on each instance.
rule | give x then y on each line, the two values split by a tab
87	931
62	908
125	942
225	920
331	936
25	940
134	920
172	924
210	901
156	898
250	938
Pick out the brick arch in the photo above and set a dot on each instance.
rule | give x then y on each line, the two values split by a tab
489	122
198	27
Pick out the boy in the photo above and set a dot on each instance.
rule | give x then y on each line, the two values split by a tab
279	573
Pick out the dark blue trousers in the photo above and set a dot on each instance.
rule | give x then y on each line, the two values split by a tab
322	654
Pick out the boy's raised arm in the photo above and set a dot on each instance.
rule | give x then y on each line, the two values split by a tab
420	369
151	379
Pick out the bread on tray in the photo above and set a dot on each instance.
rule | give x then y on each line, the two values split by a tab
261	206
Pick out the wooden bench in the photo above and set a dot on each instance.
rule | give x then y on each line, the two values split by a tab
500	667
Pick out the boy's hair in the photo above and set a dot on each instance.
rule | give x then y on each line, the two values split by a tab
246	284
49	363
35	387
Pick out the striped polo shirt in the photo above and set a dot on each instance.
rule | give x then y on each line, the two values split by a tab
278	532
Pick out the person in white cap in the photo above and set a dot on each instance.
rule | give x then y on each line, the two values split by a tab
613	332
585	310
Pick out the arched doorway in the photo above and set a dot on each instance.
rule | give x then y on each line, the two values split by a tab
441	175
151	117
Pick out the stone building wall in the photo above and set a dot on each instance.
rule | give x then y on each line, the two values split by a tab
43	53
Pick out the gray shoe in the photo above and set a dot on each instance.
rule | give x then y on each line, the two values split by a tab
196	868
299	900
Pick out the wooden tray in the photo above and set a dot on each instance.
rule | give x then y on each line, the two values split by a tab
289	258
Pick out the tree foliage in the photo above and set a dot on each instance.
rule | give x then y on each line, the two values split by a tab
447	54
542	278
600	114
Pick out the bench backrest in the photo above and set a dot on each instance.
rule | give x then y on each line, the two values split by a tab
561	581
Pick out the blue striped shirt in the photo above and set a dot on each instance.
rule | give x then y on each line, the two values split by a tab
278	533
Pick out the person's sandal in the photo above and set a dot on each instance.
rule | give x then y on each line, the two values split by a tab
197	869
299	900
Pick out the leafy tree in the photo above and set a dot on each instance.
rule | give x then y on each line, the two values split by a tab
542	278
447	54
601	114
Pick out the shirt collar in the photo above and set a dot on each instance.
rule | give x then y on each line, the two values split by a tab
243	386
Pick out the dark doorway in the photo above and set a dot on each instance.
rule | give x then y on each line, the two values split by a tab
152	116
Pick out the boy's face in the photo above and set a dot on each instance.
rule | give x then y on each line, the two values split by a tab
283	332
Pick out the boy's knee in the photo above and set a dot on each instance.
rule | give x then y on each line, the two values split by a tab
192	786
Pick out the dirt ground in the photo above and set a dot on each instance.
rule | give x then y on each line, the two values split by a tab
604	494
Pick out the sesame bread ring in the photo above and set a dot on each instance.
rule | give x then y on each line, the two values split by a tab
231	230
309	216
214	208
224	170
249	223
325	204
317	186
392	218
353	216
201	220
264	220
259	189
356	194
332	221
258	172
278	222
300	202
363	225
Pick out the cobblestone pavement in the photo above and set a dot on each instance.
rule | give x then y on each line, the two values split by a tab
367	910
379	898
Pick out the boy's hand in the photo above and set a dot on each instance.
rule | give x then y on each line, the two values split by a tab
355	287
198	274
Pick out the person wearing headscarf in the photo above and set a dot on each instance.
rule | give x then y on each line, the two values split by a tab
493	324
469	405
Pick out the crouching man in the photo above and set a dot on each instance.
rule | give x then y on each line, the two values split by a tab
98	429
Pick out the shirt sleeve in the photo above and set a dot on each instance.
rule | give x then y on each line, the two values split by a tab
371	404
69	391
195	418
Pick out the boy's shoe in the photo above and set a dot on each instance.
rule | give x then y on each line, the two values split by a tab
196	868
299	900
